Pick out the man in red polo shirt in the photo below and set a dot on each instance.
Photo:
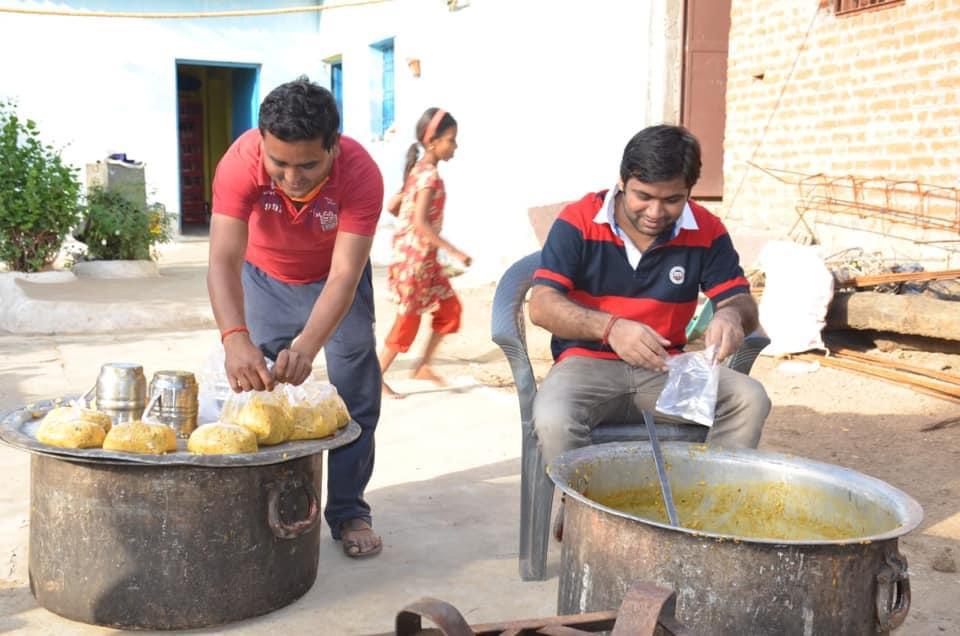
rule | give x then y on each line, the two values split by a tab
618	282
295	206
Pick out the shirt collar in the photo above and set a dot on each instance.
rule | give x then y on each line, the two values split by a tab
607	214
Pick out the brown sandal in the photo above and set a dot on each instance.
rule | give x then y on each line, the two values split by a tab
351	547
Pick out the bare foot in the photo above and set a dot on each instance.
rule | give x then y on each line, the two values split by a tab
390	393
359	540
426	373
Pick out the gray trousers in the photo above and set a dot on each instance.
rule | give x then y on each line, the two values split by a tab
580	392
276	313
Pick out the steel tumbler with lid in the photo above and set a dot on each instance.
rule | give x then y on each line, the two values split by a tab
177	405
122	391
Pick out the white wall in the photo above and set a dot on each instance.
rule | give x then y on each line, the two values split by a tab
546	92
97	85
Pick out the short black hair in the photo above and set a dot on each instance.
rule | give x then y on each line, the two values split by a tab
300	110
662	153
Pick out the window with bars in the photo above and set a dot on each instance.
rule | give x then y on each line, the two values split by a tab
841	7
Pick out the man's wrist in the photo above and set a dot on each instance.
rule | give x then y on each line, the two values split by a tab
730	315
304	345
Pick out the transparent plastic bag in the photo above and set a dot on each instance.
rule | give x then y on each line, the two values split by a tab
691	388
266	413
314	409
213	388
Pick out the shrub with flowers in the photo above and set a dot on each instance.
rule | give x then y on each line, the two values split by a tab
113	228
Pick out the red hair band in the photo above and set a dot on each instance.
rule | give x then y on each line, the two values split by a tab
431	130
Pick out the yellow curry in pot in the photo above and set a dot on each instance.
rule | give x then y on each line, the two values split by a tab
754	510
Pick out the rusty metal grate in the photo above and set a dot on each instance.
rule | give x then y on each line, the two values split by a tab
843	7
908	203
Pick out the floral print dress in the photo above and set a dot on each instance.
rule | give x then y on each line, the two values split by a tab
416	279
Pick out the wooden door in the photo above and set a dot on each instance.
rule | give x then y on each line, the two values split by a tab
706	33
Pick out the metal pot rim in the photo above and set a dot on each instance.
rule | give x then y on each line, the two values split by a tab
562	469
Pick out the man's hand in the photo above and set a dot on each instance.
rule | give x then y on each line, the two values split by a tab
725	331
246	369
294	365
638	344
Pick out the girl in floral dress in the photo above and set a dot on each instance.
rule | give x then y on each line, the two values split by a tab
417	282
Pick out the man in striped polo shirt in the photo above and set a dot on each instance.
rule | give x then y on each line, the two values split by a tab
618	282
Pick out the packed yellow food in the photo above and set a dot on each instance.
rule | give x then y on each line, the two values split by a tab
264	413
141	437
221	438
73	412
73	427
316	410
312	422
343	415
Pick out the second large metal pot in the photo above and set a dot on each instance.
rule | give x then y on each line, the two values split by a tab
854	582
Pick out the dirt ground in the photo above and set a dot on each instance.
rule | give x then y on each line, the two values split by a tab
829	415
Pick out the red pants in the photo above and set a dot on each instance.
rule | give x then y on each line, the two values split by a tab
446	319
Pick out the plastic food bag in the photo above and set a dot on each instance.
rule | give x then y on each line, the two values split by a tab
213	389
222	439
266	413
213	386
73	427
691	388
141	437
314	409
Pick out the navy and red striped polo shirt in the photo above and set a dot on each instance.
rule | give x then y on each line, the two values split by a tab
584	257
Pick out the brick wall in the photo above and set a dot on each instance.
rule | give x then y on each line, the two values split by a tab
871	98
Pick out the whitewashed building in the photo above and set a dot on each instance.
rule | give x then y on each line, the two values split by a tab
546	92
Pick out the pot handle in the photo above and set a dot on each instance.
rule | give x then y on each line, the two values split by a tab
293	530
893	592
444	615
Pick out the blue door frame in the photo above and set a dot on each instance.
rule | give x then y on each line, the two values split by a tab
245	101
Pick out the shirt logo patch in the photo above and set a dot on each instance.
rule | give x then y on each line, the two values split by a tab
325	211
677	275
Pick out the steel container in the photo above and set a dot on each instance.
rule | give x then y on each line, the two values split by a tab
121	391
729	583
172	541
177	404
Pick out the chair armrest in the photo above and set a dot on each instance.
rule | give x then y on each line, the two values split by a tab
745	356
508	328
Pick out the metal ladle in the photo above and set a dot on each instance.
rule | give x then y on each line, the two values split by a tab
661	470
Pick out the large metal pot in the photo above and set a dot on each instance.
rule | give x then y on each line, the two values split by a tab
174	541
855	582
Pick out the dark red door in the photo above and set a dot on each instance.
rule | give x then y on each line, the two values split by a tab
707	32
192	208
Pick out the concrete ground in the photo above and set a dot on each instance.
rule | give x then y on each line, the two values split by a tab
445	492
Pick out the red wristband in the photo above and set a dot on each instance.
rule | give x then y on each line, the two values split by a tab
606	332
231	331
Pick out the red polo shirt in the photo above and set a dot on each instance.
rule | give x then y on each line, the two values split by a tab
296	246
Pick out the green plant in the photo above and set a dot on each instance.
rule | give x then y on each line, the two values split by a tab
116	229
38	195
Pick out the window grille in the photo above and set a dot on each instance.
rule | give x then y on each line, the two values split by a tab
842	7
